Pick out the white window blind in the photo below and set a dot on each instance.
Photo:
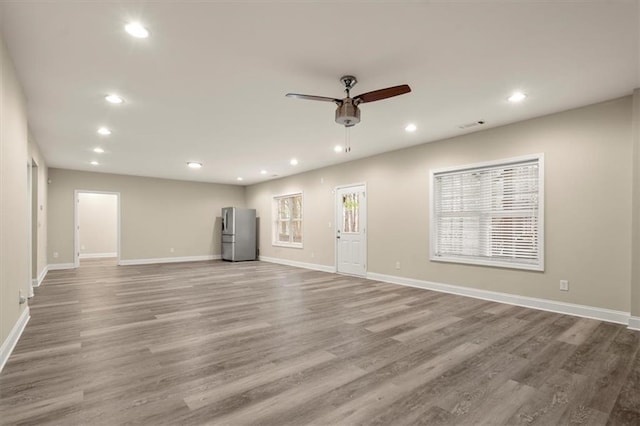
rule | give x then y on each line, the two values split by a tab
489	214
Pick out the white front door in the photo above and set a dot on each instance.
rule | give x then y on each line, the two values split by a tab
351	230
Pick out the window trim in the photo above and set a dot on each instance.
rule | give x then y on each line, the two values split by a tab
275	219
481	262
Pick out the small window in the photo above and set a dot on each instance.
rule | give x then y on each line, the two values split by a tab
287	227
489	214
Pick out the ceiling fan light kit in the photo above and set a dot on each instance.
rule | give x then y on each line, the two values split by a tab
348	113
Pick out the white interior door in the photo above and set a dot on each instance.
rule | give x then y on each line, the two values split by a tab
351	230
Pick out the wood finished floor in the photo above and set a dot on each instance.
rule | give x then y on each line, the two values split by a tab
265	344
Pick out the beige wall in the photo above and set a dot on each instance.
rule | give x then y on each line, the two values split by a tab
98	220
587	206
156	214
14	258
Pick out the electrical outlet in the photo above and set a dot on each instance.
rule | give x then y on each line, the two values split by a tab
171	250
564	285
55	254
329	224
313	255
398	264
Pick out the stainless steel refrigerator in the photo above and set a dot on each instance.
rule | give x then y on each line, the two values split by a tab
238	234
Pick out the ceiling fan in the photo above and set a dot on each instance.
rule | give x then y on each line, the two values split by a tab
348	113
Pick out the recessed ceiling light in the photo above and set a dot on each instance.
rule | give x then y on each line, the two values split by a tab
516	97
293	162
194	164
263	172
94	163
137	30
337	148
410	127
98	150
238	178
114	99
104	131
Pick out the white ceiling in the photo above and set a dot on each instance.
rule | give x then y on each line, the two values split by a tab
209	83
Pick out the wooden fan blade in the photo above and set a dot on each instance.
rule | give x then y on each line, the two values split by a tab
314	98
377	95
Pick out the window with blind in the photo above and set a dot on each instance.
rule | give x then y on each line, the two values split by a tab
489	214
287	227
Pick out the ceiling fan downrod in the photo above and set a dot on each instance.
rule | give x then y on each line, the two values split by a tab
349	81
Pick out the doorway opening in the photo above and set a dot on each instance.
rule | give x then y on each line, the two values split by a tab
351	230
97	228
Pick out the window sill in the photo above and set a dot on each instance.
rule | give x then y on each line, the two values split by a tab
495	264
287	245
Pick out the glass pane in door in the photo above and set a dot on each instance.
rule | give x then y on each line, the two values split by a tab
351	212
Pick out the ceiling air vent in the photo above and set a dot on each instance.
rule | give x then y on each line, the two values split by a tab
472	124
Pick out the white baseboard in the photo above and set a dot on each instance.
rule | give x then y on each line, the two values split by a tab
602	314
38	281
634	323
12	339
313	266
59	266
97	255
127	262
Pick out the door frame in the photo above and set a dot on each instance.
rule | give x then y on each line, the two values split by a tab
35	225
336	221
31	164
76	223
